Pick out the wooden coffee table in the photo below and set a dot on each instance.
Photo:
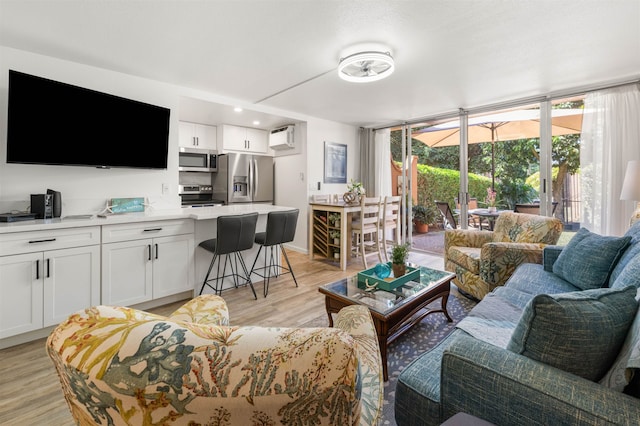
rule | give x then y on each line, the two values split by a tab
394	312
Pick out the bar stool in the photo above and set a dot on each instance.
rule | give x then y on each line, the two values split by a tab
234	234
281	228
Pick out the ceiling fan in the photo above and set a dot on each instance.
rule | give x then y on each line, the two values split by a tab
370	63
362	67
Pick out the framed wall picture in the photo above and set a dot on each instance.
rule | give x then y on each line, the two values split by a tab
335	163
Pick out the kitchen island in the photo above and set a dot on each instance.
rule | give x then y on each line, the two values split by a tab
52	268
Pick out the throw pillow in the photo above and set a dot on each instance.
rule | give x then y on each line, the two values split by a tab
580	332
628	361
588	259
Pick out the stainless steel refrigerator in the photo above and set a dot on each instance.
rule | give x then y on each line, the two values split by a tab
244	178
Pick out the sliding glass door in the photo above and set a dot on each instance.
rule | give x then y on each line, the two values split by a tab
528	155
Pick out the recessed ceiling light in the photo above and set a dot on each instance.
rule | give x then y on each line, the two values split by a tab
366	65
256	122
237	109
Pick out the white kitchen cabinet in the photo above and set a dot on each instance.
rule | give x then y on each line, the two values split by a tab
243	139
21	294
146	261
47	275
194	135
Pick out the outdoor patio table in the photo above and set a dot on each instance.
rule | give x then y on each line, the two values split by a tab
486	214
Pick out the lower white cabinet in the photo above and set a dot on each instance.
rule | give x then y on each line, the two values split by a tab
51	275
146	261
45	276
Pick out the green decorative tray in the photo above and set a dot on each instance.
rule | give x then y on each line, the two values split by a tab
387	284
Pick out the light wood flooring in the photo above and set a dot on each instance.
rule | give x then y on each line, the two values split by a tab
30	392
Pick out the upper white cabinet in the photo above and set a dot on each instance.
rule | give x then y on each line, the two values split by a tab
194	135
243	139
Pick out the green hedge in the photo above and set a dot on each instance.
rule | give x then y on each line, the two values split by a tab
443	185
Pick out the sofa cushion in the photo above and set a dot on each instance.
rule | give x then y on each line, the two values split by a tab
627	364
580	332
467	257
533	279
589	258
418	387
629	276
632	252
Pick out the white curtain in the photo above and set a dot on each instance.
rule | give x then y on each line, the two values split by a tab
375	161
610	138
382	142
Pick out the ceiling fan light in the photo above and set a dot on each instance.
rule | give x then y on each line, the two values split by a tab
364	67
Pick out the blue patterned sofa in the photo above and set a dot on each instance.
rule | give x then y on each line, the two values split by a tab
558	344
121	366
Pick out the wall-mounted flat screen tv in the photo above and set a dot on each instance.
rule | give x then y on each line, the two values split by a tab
50	122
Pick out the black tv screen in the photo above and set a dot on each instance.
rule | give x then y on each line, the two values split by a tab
50	122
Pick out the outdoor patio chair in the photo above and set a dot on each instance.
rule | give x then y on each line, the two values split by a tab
474	221
527	208
533	208
448	218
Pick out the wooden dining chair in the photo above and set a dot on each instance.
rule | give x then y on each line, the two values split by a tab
389	223
366	229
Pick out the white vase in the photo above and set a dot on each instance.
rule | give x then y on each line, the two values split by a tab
492	209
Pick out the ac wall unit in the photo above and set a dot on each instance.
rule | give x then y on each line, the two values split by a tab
281	138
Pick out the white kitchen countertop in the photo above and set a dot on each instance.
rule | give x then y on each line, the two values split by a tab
196	213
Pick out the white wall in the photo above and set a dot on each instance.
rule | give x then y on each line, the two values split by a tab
297	175
86	190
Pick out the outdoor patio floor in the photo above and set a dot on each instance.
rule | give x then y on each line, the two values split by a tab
432	241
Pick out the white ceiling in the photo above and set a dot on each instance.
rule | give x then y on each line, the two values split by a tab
449	54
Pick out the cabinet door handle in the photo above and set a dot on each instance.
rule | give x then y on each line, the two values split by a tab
152	230
156	251
42	241
38	269
48	268
149	247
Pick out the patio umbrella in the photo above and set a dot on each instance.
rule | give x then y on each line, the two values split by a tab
504	126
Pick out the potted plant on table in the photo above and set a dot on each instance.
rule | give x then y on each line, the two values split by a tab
491	199
399	256
423	216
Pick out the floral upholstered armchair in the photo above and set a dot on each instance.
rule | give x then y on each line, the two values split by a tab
121	366
484	260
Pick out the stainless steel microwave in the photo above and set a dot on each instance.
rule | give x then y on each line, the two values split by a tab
197	160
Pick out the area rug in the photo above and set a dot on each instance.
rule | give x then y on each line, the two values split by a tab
418	340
